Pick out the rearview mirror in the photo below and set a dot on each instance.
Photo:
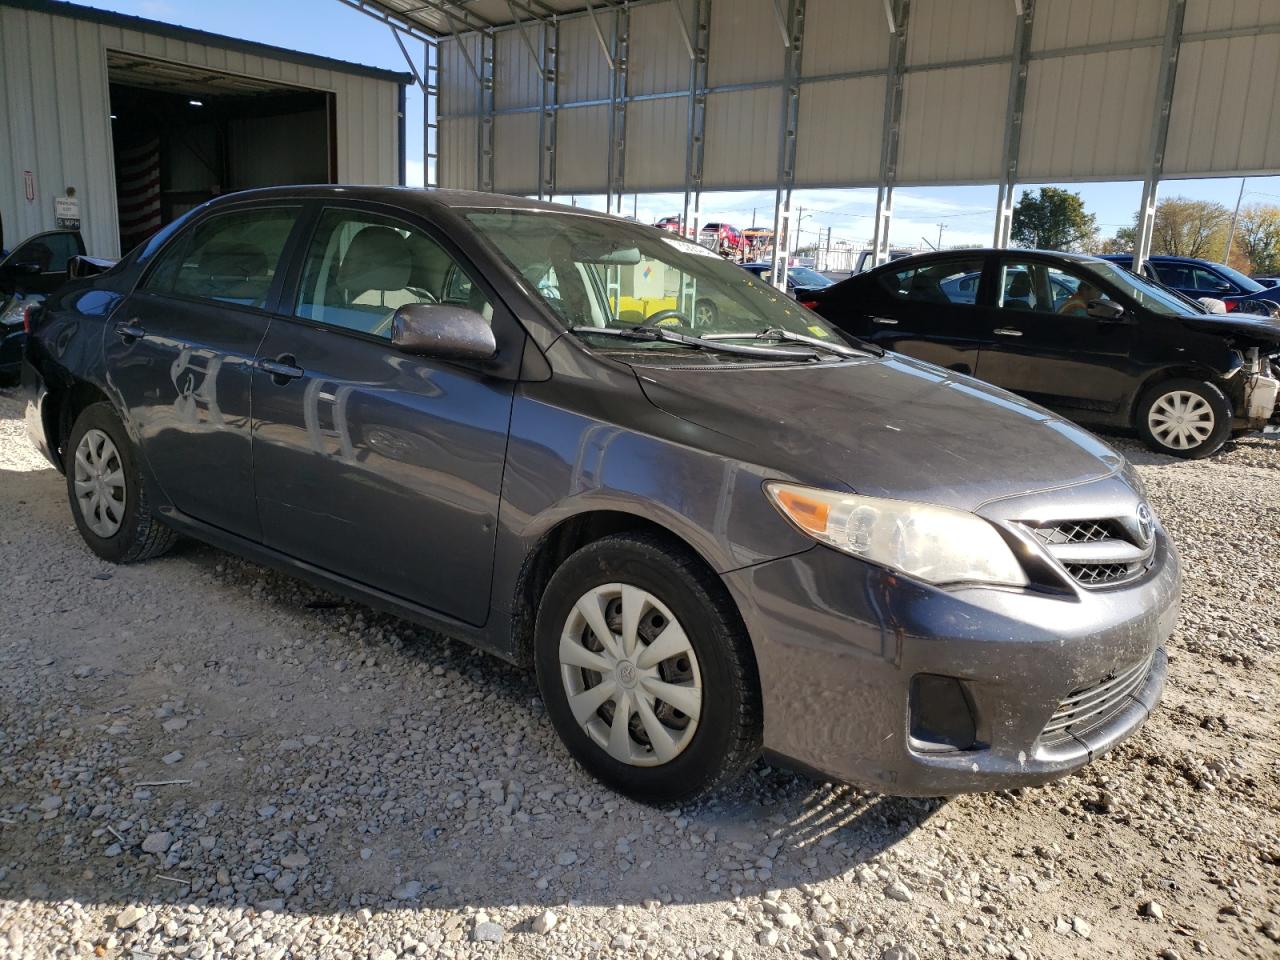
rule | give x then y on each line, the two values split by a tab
1105	310
443	332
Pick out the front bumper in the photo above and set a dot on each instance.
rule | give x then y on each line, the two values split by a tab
838	642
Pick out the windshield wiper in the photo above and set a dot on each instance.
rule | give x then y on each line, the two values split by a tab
651	334
778	333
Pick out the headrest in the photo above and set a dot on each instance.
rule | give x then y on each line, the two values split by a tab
377	259
1020	285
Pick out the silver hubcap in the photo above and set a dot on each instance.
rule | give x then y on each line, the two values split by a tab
1181	419
99	483
630	674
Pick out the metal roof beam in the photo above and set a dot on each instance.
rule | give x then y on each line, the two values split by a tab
375	10
1159	129
892	126
678	8
1014	109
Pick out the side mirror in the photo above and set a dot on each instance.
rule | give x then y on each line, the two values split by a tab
443	332
82	267
1105	310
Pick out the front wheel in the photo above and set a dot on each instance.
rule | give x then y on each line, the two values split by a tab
645	670
1184	418
107	497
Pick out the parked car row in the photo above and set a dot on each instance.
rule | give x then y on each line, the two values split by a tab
1077	334
1197	278
707	536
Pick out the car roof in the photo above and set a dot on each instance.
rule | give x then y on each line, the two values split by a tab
932	255
410	198
1162	258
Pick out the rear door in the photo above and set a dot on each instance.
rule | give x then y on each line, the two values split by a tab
1043	344
929	311
380	466
180	352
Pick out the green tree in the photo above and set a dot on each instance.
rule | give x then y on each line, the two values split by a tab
1190	228
1052	219
1258	237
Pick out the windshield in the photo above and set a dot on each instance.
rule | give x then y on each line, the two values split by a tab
1156	299
610	274
1247	284
804	277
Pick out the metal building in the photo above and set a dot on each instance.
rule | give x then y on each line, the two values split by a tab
126	123
557	96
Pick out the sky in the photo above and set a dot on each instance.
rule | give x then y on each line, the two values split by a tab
922	216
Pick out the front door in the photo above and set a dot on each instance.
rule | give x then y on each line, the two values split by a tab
1042	344
40	263
180	353
373	464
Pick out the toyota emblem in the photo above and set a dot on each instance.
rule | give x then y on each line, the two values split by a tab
1144	523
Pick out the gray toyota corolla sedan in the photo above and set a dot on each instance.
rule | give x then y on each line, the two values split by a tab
711	523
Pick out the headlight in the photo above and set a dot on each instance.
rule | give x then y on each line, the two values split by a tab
936	544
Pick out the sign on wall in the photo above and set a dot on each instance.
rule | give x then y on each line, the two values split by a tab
66	212
29	185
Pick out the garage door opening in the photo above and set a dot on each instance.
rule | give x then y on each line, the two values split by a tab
183	134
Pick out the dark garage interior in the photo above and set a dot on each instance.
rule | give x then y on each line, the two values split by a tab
183	135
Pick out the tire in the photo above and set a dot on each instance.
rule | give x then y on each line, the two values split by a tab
705	314
121	528
715	671
1207	418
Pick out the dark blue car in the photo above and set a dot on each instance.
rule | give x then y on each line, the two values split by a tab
1197	278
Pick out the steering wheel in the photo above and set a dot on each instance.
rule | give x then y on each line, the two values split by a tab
661	315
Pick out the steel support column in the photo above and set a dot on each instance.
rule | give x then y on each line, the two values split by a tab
547	117
1159	130
618	108
697	128
794	40
484	137
891	130
1023	21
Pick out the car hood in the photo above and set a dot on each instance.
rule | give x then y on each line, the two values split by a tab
1255	327
887	428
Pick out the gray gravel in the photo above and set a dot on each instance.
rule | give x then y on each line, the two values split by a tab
202	758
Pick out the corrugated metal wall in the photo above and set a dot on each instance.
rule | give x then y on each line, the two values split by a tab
55	109
1090	102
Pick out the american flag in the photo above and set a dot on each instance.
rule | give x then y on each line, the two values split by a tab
138	192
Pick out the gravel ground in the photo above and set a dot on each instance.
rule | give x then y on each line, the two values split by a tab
202	758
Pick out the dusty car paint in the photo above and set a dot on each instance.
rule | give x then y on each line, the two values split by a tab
444	488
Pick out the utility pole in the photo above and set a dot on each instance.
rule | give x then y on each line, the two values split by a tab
1231	234
941	227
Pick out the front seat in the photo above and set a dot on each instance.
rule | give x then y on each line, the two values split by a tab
374	276
1019	296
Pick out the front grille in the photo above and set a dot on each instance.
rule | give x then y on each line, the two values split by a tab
1096	574
1079	531
1094	552
1088	707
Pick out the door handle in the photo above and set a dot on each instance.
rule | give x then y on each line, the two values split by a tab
1006	332
130	331
282	369
885	320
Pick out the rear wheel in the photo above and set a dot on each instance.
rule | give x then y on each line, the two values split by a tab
645	671
1184	418
107	497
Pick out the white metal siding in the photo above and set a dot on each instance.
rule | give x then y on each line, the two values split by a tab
584	66
659	58
943	31
1077	23
952	126
1239	131
746	43
515	158
743	128
55	109
458	147
1089	116
847	152
657	134
843	37
1205	15
516	80
582	149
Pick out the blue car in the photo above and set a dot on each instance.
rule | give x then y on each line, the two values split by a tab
1197	278
798	278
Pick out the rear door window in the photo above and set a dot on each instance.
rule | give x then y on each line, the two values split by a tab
230	258
942	281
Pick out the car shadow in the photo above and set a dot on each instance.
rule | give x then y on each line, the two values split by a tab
220	734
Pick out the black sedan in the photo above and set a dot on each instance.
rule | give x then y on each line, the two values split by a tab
1077	334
